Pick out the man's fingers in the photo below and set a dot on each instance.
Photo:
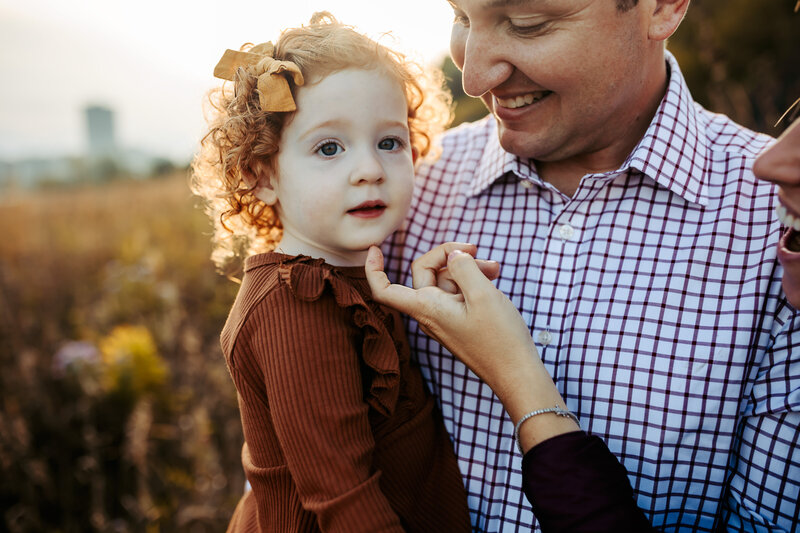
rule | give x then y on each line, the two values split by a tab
425	269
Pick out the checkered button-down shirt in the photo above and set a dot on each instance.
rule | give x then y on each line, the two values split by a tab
654	297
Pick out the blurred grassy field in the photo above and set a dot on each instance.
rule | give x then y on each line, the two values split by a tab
117	411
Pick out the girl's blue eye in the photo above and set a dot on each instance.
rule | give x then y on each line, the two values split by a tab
329	149
389	144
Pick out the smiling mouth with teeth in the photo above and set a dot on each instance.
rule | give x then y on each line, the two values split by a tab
791	241
522	100
788	218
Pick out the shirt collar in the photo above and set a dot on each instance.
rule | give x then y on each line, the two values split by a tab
495	162
672	151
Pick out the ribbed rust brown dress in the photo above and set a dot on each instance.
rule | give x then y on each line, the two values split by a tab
340	432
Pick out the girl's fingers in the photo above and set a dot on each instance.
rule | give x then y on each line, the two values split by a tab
445	281
425	269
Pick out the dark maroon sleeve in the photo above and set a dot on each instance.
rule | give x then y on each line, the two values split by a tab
574	483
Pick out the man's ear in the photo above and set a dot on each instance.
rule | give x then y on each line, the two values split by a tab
263	181
666	17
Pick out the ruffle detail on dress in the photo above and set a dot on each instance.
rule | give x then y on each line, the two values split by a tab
308	278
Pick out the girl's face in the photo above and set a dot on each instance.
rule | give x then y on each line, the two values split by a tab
345	168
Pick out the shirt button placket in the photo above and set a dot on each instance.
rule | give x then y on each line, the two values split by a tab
561	247
566	231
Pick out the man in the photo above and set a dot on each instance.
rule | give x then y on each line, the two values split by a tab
640	249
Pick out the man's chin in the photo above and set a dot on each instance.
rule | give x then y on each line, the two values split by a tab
520	143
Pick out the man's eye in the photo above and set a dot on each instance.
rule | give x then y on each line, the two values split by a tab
389	144
529	30
329	149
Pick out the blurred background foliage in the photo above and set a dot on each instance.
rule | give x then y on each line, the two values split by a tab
116	410
742	58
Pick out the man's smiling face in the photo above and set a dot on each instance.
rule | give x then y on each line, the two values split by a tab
562	77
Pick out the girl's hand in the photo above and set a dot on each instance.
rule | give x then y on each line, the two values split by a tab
430	270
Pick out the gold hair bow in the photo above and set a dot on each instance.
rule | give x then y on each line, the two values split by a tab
274	93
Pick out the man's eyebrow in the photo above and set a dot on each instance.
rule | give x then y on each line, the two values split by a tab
494	4
507	3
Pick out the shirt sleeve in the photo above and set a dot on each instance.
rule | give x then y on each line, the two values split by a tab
574	483
765	485
313	379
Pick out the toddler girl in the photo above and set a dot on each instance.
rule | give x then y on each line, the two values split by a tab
309	160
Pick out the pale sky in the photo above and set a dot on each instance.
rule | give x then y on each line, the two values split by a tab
151	62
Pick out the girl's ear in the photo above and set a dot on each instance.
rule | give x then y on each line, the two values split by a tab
414	155
262	180
249	176
266	192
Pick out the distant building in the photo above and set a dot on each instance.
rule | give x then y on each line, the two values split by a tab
103	161
100	129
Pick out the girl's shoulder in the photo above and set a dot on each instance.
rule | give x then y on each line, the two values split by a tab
283	282
306	278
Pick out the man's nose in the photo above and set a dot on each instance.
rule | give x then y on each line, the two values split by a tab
484	66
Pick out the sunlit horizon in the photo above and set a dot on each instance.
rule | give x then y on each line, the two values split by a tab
151	63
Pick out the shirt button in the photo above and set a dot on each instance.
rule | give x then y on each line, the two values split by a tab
545	338
566	231
525	184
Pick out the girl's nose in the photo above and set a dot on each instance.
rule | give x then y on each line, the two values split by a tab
368	170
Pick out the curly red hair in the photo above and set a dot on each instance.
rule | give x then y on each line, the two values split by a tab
240	149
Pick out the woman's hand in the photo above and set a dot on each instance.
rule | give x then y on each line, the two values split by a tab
479	325
456	304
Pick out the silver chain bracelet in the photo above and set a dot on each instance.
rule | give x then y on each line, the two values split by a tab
555	410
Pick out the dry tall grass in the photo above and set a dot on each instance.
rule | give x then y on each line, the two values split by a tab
117	413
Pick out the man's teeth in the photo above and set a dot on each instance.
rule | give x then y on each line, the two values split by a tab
522	100
788	219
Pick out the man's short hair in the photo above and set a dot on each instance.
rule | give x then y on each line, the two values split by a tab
624	5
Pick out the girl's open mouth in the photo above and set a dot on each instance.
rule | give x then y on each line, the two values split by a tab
370	209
